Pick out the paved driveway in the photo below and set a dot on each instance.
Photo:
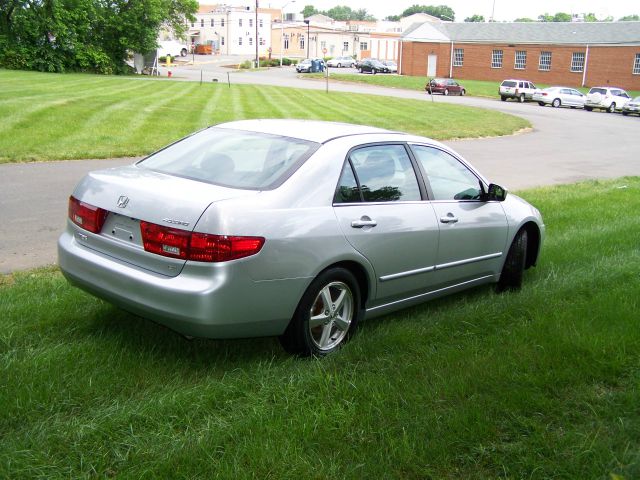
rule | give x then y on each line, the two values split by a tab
564	146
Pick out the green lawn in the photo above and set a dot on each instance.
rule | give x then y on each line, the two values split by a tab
474	88
52	116
541	383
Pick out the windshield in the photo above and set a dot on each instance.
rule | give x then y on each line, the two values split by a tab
233	158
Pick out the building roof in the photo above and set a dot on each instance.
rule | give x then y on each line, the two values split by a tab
589	33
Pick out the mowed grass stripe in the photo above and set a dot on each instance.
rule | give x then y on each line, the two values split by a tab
155	112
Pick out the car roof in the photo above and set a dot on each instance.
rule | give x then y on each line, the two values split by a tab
311	130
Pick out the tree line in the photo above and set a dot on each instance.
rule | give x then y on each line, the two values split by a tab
85	35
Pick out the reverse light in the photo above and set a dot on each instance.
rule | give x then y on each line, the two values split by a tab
86	216
200	247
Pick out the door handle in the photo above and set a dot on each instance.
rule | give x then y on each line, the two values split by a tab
363	222
450	218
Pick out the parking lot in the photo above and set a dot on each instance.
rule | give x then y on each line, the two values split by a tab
564	146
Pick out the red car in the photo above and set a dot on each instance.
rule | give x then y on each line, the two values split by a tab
446	86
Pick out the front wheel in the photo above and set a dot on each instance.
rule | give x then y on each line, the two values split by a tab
183	52
588	109
541	104
612	108
446	91
625	113
463	92
521	98
503	99
556	103
513	269
326	316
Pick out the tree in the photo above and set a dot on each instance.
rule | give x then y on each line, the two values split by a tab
308	11
441	11
558	17
524	20
629	18
474	18
85	35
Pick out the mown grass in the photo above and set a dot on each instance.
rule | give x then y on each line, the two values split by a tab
541	383
474	88
52	116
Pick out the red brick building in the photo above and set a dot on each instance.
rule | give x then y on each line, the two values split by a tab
572	54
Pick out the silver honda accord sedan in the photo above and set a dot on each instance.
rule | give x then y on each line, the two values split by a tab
292	228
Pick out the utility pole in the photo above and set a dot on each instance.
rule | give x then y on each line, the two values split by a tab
257	57
308	22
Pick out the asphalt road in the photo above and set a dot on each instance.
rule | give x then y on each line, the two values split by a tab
564	146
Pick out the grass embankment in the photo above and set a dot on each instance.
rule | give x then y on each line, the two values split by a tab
541	383
474	88
50	116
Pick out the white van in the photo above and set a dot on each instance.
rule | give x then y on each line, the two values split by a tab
173	48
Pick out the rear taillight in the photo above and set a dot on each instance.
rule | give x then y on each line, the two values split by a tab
201	247
544	94
86	216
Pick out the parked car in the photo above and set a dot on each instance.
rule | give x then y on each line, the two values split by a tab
632	107
173	48
304	66
445	86
559	97
373	66
606	98
519	89
393	66
292	228
341	62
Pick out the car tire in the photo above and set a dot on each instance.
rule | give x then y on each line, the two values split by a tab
588	109
612	107
521	98
373	71
446	91
463	92
319	326
541	104
513	269
504	99
556	102
183	52
339	65
625	113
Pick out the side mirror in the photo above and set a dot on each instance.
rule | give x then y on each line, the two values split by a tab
496	193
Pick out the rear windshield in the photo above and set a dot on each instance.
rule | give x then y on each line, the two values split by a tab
508	83
233	158
603	91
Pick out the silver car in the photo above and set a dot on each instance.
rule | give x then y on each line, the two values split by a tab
292	228
559	97
341	62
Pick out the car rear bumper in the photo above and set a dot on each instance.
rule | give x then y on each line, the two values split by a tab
204	300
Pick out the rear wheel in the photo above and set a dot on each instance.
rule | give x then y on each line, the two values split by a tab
541	104
183	52
588	109
556	103
513	270
446	91
612	107
625	113
326	316
504	99
521	98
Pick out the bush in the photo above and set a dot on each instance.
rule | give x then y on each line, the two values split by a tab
246	64
286	62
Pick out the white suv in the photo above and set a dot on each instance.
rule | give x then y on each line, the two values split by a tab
520	89
606	98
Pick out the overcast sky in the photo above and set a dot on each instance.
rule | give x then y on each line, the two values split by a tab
505	10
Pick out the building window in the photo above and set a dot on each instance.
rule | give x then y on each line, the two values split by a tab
239	40
286	42
545	61
239	22
577	61
260	23
636	65
496	59
250	40
363	46
345	46
521	60
202	22
251	22
222	22
323	44
213	22
458	57
222	40
301	42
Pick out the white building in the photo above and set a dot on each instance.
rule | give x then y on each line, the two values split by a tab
231	30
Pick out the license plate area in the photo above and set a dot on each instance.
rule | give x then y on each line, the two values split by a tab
122	228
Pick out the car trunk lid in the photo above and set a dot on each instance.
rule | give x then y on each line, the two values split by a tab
132	194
